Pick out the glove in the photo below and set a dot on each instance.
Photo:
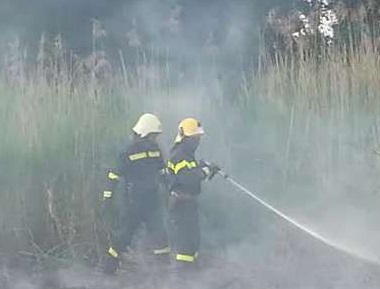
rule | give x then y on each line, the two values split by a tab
164	178
210	169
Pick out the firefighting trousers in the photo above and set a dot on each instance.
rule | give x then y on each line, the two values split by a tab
141	209
184	218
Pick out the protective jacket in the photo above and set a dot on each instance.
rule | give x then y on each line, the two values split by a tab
139	165
185	173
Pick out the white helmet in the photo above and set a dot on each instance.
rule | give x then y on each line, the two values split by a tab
147	123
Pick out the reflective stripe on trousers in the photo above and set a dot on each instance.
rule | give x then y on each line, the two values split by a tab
165	250
186	258
111	251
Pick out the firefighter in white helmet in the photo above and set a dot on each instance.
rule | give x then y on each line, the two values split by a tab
140	164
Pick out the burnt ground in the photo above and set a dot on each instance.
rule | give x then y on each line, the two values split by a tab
282	270
285	263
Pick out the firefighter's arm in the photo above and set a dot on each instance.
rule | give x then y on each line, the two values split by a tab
164	176
209	168
190	176
113	178
109	210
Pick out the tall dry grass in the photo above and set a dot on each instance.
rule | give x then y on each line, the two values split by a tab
325	106
62	118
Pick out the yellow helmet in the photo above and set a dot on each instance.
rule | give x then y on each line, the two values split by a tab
147	123
188	127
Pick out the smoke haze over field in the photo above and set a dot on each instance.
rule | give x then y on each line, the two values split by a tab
245	246
168	23
318	167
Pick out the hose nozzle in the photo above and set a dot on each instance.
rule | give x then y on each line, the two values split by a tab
223	174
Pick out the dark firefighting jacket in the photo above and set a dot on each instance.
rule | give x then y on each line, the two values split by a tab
140	166
185	173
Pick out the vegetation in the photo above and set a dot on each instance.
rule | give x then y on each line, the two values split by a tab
61	125
63	117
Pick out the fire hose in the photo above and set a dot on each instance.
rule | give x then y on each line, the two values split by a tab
297	224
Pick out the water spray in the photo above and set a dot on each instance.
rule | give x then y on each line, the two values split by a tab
298	225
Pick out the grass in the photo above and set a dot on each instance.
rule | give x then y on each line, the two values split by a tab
56	143
61	125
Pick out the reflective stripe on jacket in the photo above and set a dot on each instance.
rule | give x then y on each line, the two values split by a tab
185	174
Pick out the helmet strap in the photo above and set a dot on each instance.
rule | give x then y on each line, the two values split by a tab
181	132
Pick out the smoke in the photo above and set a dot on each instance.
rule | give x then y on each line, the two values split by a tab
325	176
320	171
184	27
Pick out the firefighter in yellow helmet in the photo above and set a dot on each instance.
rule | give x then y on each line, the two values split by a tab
185	175
140	165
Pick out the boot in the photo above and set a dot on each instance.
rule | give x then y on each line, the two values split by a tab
162	260
110	265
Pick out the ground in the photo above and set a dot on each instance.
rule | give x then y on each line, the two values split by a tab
328	269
